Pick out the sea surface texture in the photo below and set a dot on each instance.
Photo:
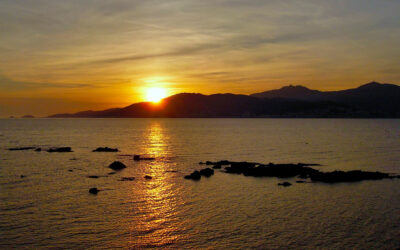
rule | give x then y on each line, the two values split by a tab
49	206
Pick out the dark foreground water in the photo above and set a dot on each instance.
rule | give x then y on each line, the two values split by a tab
51	206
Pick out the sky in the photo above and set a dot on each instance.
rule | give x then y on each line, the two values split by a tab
71	55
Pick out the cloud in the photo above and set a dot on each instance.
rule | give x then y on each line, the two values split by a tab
178	52
10	85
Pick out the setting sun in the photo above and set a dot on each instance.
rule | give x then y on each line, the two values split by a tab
155	94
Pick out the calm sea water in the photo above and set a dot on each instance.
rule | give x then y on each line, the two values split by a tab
51	206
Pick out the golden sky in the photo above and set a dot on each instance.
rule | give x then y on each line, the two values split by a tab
67	56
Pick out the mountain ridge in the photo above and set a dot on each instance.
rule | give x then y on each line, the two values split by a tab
369	100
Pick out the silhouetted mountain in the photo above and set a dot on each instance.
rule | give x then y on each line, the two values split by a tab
292	92
370	100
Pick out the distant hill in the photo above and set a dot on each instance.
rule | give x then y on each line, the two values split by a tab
369	100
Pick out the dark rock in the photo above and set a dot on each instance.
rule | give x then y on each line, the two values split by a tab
93	190
240	167
140	158
22	176
148	177
60	150
285	184
209	163
127	179
270	170
201	163
21	148
300	182
70	170
93	176
38	149
307	164
207	172
111	173
303	176
349	176
117	165
193	176
224	162
73	159
303	171
105	149
217	167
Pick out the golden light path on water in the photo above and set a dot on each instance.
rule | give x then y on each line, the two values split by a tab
157	224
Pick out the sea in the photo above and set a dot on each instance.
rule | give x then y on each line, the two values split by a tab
45	201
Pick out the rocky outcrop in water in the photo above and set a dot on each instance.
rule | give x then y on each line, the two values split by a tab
207	172
59	150
117	165
105	149
21	148
300	170
193	176
285	184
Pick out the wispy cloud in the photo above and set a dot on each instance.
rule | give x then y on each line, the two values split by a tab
10	85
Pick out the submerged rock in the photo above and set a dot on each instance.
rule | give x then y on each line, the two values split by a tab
148	177
93	190
207	172
117	165
111	173
194	176
140	158
127	179
285	184
21	148
59	150
105	149
93	176
38	149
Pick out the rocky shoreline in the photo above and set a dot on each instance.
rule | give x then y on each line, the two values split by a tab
300	170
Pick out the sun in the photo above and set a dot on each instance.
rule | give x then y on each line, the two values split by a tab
155	94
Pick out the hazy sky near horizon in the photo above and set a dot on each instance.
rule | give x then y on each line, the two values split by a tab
72	55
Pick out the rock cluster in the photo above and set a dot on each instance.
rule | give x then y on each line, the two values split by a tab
300	170
196	175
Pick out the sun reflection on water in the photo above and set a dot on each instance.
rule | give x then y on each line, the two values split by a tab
157	221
